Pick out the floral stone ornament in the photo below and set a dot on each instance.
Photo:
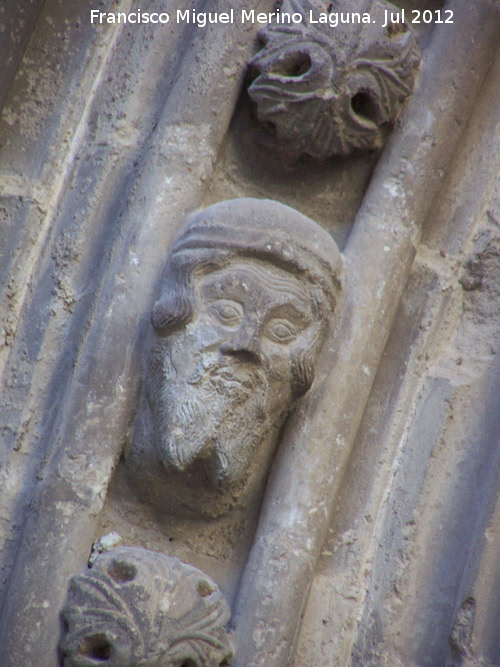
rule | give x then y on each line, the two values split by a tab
137	607
325	90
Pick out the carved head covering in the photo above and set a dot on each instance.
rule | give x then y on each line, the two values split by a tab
254	228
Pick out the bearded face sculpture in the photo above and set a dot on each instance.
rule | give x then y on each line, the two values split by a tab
247	298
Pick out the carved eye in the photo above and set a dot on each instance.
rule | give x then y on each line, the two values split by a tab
281	331
230	313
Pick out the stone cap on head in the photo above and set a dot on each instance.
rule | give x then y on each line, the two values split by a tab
266	230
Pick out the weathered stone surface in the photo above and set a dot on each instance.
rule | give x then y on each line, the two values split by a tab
382	498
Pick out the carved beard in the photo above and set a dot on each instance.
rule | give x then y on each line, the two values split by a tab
219	414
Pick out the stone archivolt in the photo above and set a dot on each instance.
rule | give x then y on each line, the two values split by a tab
392	460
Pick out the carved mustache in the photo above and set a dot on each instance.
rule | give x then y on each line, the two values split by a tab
220	374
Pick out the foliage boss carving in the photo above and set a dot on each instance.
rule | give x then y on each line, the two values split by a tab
322	90
141	608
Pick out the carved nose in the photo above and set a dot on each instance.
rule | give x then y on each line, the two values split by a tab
245	343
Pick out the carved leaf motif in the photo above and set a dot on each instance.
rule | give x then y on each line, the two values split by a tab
326	90
141	608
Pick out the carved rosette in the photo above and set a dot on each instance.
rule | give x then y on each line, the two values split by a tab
327	90
141	608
